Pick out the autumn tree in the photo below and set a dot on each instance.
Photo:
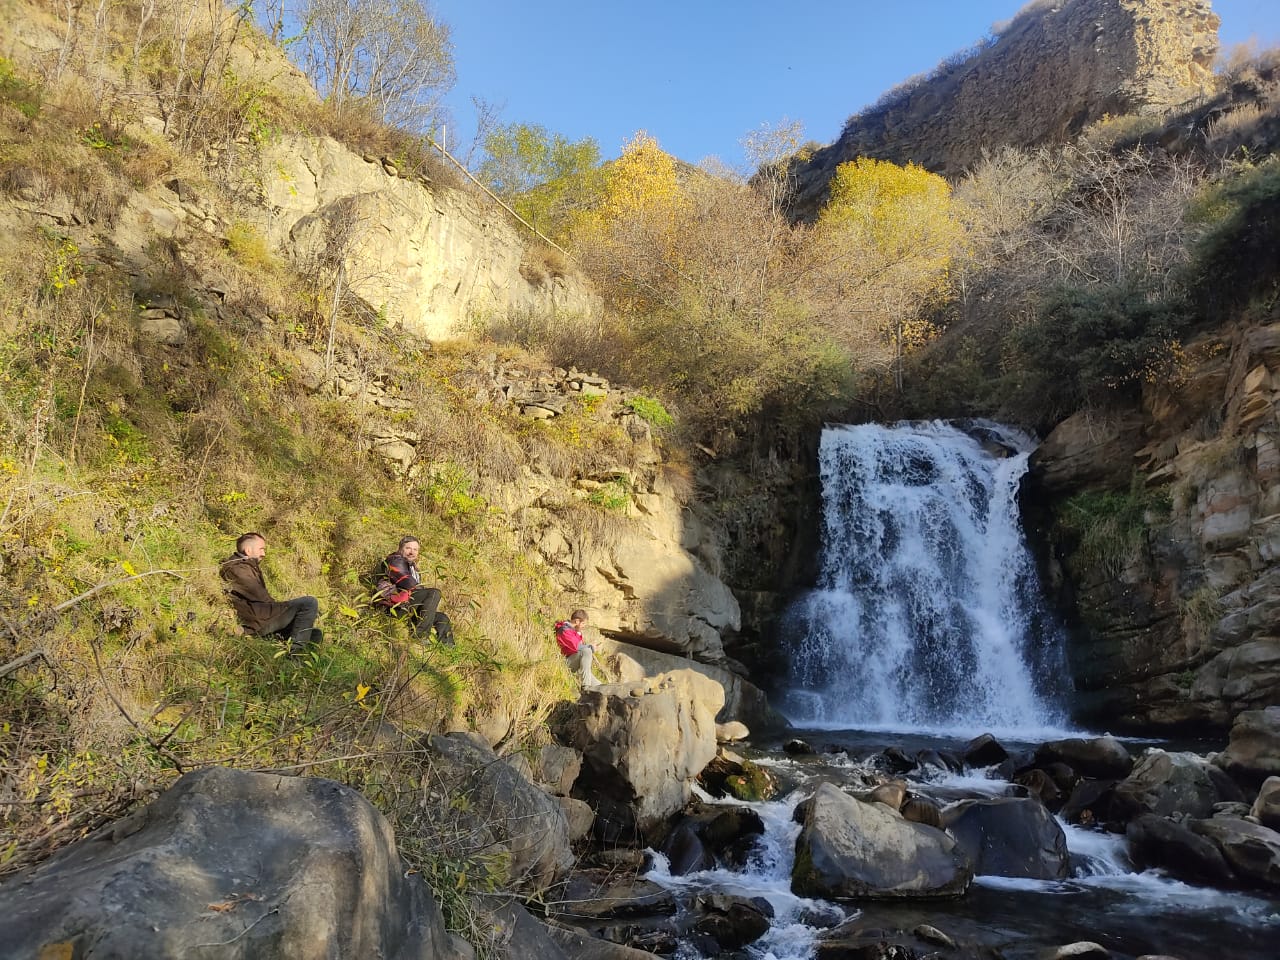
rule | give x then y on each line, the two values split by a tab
703	304
391	58
883	246
543	175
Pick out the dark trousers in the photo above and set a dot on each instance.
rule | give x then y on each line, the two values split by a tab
295	624
421	608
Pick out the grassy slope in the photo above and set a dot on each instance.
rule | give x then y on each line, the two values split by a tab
128	466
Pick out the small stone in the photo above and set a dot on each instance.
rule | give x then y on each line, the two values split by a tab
934	935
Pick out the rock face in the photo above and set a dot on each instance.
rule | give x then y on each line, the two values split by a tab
643	744
227	864
1182	626
849	849
1052	70
431	258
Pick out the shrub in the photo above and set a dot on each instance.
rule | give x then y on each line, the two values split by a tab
1093	346
651	410
1107	529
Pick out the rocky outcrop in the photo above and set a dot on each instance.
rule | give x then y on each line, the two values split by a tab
429	258
1253	752
643	744
470	793
1056	67
228	864
1180	624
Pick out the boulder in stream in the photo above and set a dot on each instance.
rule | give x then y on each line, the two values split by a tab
1101	757
227	865
1167	783
1253	751
1266	807
1252	850
1158	842
1010	837
848	849
984	751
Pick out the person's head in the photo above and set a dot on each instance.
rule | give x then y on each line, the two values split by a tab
578	618
409	548
251	544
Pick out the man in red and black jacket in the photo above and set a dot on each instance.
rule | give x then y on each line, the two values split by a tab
401	591
579	654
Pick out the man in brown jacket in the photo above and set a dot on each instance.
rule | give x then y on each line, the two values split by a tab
257	610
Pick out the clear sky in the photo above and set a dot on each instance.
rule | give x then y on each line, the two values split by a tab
699	74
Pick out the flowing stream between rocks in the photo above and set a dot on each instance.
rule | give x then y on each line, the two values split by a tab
927	627
1104	901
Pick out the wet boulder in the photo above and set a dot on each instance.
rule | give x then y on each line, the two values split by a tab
1010	837
1266	807
1090	803
798	748
731	922
224	865
984	751
731	834
1160	843
1168	783
1098	757
848	849
1040	786
1252	850
685	851
1253	751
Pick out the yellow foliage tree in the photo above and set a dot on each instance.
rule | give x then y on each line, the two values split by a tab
630	239
893	231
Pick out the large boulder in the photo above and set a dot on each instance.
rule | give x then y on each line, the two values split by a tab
227	864
1010	837
1266	806
1101	757
1168	783
1172	847
489	806
848	849
1252	849
1253	753
642	745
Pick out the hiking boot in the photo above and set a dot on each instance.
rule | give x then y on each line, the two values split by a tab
303	644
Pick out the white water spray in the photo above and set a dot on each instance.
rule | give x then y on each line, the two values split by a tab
928	612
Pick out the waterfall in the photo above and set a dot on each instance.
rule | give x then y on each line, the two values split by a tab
928	611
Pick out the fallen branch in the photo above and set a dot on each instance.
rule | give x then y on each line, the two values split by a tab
22	661
66	604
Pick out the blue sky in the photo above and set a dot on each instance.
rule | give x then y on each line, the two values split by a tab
699	74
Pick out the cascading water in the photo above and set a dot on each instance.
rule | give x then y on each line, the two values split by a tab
928	612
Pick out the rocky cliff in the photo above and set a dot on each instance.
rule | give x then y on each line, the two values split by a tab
1058	66
431	259
1176	574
